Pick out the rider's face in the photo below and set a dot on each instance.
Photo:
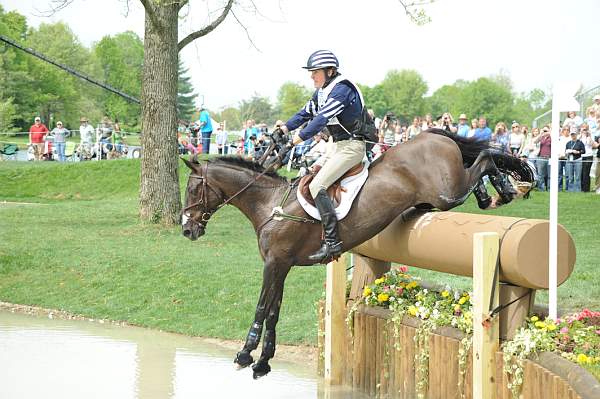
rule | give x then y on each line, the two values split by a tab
318	78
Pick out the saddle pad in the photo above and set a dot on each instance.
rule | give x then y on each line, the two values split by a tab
350	188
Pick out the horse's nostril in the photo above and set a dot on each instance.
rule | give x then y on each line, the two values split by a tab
187	233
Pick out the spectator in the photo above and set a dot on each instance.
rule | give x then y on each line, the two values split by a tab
427	122
596	105
221	140
592	121
400	136
118	139
573	122
587	158
541	164
59	134
386	131
501	137
563	139
376	120
595	145
249	132
318	149
251	146
516	139
37	133
574	150
482	133
474	126
531	149
413	130
463	126
447	123
206	129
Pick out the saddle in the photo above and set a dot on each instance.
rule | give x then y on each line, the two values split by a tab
334	191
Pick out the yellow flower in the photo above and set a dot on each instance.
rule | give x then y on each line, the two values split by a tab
462	300
367	291
540	324
379	281
445	294
582	358
551	326
411	285
412	310
456	307
534	319
382	298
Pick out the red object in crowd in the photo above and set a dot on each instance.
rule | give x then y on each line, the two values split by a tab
199	147
37	133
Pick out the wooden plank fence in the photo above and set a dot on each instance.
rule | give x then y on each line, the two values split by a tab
375	367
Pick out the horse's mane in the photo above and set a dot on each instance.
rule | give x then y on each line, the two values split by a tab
245	164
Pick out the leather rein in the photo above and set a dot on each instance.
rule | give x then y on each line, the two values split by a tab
206	213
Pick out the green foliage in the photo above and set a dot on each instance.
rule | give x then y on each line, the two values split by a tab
185	95
257	108
121	58
401	92
232	118
7	115
291	97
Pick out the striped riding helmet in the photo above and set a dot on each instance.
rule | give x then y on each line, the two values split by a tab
321	59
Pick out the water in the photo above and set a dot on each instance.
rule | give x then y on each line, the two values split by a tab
50	358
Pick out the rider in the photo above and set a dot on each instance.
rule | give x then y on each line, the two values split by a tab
338	104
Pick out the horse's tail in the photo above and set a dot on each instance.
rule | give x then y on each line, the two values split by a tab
470	148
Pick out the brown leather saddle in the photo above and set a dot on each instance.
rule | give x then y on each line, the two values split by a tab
334	191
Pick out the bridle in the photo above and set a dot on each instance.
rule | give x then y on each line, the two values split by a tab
203	201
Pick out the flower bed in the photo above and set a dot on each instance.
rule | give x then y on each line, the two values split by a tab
575	337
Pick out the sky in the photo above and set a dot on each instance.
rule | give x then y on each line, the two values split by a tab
535	42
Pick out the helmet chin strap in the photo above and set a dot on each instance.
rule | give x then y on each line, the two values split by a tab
328	79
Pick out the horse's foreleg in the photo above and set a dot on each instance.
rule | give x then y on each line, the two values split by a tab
243	357
262	367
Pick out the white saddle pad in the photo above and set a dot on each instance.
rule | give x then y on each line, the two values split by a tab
350	188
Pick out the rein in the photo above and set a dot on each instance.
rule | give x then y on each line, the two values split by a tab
206	214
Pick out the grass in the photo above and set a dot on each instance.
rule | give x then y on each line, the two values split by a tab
72	241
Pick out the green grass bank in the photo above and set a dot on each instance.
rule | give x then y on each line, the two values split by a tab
70	239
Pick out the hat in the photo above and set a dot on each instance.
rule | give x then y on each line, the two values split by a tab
515	124
573	131
463	116
83	119
37	118
596	97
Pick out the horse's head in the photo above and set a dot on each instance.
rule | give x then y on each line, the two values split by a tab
201	200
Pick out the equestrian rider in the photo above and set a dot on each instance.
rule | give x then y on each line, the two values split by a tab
338	104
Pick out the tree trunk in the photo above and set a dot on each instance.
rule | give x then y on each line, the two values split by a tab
160	199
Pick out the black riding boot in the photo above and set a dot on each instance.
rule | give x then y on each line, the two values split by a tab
483	198
332	246
506	190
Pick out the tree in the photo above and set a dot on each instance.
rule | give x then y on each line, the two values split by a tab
185	95
160	199
403	92
120	58
290	98
258	108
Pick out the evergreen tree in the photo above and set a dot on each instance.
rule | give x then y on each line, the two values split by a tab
185	95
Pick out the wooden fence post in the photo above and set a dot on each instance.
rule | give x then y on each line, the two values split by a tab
485	338
335	321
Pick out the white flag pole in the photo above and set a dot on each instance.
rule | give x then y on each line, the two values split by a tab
553	184
563	99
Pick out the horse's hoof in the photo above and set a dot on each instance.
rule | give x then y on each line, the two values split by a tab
243	360
260	370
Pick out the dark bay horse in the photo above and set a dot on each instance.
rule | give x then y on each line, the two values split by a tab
435	170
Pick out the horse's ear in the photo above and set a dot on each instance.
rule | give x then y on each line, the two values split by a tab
189	164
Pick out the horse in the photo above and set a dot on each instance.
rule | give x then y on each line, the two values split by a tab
436	170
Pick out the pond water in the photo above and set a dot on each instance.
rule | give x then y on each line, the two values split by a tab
51	358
